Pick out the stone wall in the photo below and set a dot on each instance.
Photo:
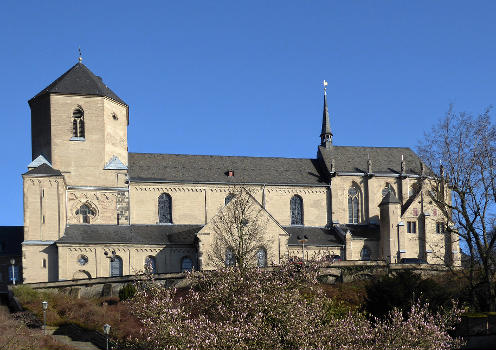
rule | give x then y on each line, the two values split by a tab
341	271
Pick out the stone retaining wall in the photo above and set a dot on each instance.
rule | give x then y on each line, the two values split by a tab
341	271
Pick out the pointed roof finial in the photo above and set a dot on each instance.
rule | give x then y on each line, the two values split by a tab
80	55
325	86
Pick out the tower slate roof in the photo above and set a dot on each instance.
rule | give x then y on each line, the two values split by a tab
79	80
326	124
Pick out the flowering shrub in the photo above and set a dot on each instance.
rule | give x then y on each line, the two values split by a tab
280	309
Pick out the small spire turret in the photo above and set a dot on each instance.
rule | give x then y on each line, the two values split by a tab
326	134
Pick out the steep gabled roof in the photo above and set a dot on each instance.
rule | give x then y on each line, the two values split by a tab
79	80
45	170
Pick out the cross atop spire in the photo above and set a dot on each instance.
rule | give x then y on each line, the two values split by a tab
80	55
326	134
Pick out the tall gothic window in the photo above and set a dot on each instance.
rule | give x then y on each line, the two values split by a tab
86	213
78	123
353	205
296	206
228	198
165	209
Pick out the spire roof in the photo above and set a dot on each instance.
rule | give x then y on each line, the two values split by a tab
326	125
79	80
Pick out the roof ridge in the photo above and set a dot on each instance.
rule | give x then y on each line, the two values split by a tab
217	155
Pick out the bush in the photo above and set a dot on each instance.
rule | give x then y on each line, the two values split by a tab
402	290
282	309
127	292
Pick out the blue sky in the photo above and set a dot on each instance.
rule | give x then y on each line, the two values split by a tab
245	78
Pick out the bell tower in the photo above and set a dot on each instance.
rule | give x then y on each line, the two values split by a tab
79	125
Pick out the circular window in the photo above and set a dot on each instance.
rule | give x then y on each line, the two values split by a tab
82	260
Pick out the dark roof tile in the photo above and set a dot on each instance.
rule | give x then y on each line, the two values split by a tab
79	80
317	236
196	168
131	234
45	170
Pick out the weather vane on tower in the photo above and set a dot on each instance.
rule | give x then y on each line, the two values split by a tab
325	86
80	55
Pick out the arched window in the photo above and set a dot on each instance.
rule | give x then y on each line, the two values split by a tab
365	254
353	205
165	209
186	264
116	266
261	257
78	123
296	206
388	188
228	198
151	264
230	260
86	213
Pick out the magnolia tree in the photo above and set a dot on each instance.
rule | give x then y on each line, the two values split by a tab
281	309
239	232
461	151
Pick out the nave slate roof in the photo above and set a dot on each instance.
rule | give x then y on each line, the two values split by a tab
215	169
150	167
79	80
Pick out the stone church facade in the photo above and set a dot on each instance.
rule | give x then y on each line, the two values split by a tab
93	209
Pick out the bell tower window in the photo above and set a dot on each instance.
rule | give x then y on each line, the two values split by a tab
78	123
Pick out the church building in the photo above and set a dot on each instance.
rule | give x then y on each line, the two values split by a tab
93	209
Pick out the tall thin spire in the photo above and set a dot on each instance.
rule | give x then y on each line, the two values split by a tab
326	134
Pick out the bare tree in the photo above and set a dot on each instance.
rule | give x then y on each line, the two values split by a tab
461	151
239	232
